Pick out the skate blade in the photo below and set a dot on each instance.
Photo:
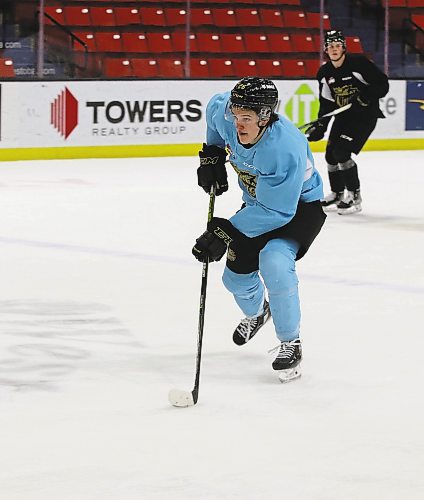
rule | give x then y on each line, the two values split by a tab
330	208
350	210
289	375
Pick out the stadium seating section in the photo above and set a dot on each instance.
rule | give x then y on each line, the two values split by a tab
275	38
148	39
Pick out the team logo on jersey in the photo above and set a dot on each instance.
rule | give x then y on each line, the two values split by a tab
248	180
331	80
343	94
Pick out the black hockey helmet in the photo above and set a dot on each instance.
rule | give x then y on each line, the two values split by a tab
258	94
334	36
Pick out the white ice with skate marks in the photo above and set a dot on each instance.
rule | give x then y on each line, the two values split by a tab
99	308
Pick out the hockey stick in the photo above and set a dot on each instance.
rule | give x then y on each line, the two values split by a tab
332	113
185	398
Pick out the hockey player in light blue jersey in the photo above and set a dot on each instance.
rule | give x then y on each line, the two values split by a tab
280	217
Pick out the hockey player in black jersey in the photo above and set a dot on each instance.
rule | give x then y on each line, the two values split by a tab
345	79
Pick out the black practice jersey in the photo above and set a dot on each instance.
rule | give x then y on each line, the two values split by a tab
356	76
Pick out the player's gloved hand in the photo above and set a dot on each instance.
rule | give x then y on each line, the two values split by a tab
315	132
209	247
213	243
360	101
212	169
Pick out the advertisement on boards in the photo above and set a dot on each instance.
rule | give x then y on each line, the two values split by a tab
108	113
414	106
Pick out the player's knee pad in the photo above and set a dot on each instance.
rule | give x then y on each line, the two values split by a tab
329	158
337	153
240	284
277	265
341	155
347	164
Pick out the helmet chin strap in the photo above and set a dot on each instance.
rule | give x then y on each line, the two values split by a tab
262	129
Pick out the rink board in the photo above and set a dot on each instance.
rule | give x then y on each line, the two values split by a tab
86	119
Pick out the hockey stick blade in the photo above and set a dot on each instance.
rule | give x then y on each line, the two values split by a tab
181	399
328	115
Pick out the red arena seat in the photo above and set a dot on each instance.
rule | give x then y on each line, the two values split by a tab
353	44
221	67
199	68
102	16
77	16
159	42
88	38
303	43
152	16
272	17
279	43
176	17
144	68
295	19
245	67
201	17
108	42
126	16
170	68
224	17
293	68
248	17
134	42
256	42
269	68
179	40
208	42
116	68
57	13
6	68
232	43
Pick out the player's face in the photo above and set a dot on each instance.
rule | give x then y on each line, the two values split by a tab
247	125
335	51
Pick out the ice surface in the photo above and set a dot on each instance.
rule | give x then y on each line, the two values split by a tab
99	303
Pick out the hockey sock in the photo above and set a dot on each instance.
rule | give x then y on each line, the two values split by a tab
351	178
337	181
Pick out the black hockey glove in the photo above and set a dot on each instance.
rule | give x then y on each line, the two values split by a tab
315	132
209	247
212	169
360	101
213	243
219	235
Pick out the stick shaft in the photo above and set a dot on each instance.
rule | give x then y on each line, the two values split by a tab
202	305
332	113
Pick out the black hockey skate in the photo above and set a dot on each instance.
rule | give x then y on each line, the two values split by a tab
248	327
330	202
287	361
351	203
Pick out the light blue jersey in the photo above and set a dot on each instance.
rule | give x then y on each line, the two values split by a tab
273	178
